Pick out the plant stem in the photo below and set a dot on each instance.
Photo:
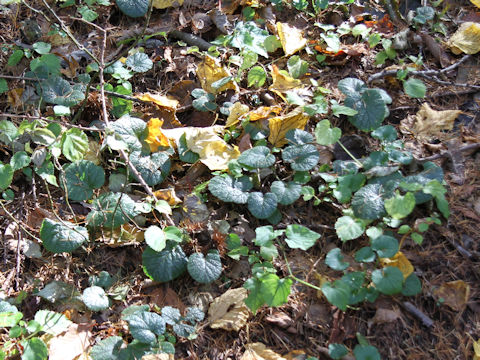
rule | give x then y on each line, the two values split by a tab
296	278
350	154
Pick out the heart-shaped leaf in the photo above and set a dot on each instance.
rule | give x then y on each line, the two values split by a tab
111	210
153	168
165	265
205	269
95	299
262	206
145	325
133	8
58	237
301	157
388	280
287	193
367	203
56	90
386	246
300	237
257	157
81	178
74	144
139	62
371	108
155	238
325	134
334	259
107	349
230	189
349	228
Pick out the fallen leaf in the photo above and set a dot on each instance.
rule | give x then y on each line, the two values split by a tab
156	138
74	342
163	4
93	152
282	82
168	195
217	154
279	126
14	97
229	311
428	122
209	71
296	355
476	347
455	294
466	39
262	113
236	111
28	247
124	235
399	261
166	102
291	38
258	351
158	357
166	297
280	319
383	316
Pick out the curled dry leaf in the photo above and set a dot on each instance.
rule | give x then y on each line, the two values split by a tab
280	125
399	261
466	39
455	294
280	319
291	38
236	111
210	71
74	342
429	123
229	311
156	138
383	316
258	351
282	82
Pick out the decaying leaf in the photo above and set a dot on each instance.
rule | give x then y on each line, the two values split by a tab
262	113
466	39
429	122
163	4
321	280
124	235
401	262
282	82
258	351
236	111
74	342
229	311
28	247
168	195
455	294
93	152
14	97
210	71
291	38
476	344
161	101
156	138
384	316
279	125
158	357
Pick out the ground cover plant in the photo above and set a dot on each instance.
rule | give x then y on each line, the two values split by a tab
239	179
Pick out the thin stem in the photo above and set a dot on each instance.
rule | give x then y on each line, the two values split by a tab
350	154
296	278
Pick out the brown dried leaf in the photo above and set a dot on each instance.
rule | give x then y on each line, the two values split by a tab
455	294
228	311
258	351
74	342
383	316
280	319
429	123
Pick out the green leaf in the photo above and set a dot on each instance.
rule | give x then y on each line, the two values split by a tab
183	330
386	246
74	144
272	43
81	178
414	88
42	47
58	238
301	157
132	131
254	300
388	280
338	110
56	90
424	14
371	107
9	317
349	228
136	350
52	322
337	293
412	286
386	133
155	238
230	189
15	58
133	8
6	176
400	206
171	315
57	290
95	299
256	76
144	326
48	64
348	184
248	36
153	168
87	13
205	269
365	254
262	206
351	87
337	351
300	237
8	131
334	259
3	86
111	210
165	265
297	67
274	290
107	349
298	137
257	157
367	203
34	349
5	306
265	234
288	193
139	62
103	279
326	135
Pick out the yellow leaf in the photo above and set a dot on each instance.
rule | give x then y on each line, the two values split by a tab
258	351
477	4
476	350
228	311
321	280
163	4
93	152
261	113
280	125
155	137
160	100
210	71
236	111
14	97
401	262
291	38
124	235
429	122
282	82
168	195
217	154
466	39
454	294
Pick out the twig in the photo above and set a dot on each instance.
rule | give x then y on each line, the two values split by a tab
419	314
422	73
19	223
468	147
17	77
191	39
18	255
32	117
